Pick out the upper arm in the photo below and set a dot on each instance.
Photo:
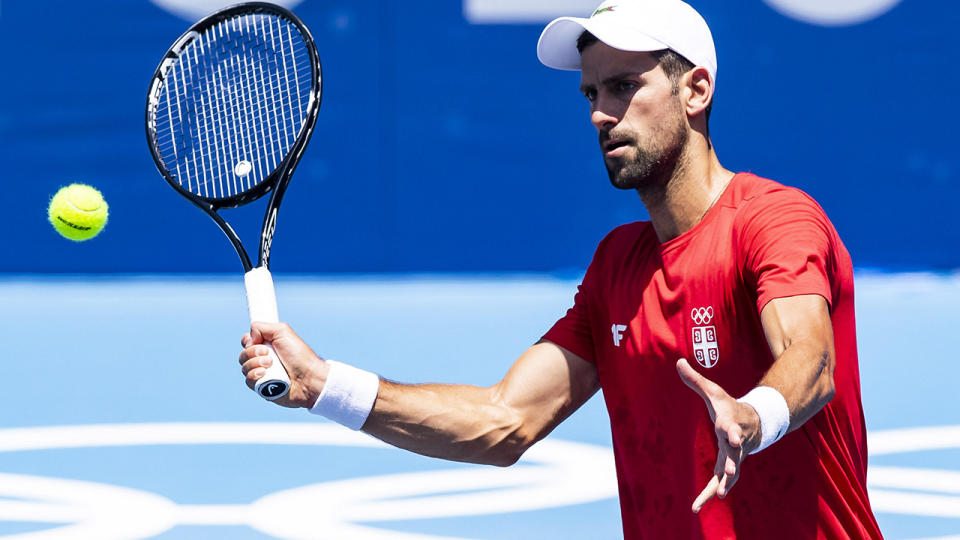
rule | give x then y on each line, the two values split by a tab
789	251
802	317
787	247
545	386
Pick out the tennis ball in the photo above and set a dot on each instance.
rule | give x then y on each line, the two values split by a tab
78	212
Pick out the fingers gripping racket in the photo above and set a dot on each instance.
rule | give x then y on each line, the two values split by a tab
230	110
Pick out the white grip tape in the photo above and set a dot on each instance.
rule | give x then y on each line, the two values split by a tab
261	298
262	303
348	395
773	411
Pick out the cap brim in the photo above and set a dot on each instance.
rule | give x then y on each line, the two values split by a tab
557	47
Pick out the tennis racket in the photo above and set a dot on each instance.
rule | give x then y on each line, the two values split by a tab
230	110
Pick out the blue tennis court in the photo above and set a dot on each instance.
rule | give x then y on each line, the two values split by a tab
130	419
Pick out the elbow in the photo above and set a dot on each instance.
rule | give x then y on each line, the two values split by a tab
506	443
827	387
828	392
503	459
507	451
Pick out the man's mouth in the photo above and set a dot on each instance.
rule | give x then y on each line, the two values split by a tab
613	146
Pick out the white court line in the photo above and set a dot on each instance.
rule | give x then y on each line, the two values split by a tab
552	474
898	441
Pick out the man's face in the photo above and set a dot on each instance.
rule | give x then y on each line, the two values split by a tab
637	113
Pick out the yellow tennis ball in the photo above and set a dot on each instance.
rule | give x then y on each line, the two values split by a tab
78	212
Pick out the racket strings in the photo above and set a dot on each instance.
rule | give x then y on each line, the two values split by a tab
233	105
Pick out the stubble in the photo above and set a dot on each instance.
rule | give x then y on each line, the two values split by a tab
652	161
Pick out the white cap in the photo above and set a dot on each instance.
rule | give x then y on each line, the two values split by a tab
632	25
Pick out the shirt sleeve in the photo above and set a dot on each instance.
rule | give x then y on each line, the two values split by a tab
787	247
574	331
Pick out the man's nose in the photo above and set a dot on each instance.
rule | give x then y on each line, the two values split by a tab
602	120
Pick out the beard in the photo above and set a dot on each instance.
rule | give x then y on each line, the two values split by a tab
652	161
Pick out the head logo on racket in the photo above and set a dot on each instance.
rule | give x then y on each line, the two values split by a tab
273	390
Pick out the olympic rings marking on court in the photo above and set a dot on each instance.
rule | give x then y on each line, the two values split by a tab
553	473
702	315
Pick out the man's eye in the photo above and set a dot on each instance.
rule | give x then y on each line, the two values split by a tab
590	94
626	86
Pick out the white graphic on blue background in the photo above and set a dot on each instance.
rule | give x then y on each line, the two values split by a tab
193	10
819	12
552	474
832	12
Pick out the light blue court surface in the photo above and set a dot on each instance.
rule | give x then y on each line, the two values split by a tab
125	415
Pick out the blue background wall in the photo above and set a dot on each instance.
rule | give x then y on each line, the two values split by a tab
443	144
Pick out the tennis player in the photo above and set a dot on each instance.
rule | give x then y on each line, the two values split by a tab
721	331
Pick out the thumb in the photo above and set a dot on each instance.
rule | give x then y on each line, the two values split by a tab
261	332
698	383
692	378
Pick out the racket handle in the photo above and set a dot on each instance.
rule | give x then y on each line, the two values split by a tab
275	382
262	302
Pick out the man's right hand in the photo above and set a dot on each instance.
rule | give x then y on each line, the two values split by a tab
307	371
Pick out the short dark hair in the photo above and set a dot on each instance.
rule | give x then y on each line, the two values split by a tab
672	63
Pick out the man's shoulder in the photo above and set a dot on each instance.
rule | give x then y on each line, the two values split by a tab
627	233
755	195
626	239
751	188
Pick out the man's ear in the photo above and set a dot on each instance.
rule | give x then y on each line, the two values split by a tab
696	91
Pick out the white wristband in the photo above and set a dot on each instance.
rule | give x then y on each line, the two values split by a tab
348	395
773	411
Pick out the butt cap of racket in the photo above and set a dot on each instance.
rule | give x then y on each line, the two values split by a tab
275	383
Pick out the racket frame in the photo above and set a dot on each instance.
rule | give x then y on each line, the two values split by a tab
279	179
258	281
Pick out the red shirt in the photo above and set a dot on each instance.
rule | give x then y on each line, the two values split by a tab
643	305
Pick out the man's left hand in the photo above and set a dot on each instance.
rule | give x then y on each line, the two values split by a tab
737	426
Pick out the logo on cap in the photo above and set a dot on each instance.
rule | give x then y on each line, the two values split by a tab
601	10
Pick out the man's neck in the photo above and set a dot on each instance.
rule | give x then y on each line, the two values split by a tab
679	203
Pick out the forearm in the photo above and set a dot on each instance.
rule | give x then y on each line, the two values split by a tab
803	374
800	334
455	422
458	422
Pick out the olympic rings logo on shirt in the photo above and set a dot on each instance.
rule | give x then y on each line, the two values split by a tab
702	315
